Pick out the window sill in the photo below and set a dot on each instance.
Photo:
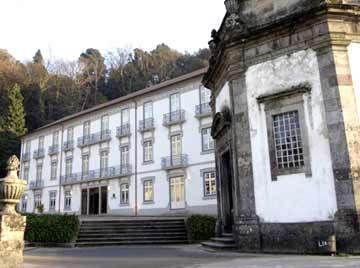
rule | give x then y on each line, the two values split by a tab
148	163
124	205
148	203
209	197
208	152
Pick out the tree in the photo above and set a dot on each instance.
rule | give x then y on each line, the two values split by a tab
15	117
12	126
38	58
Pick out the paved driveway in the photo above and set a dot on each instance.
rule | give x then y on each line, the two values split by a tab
189	256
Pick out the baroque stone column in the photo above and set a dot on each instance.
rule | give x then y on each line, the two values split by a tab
12	224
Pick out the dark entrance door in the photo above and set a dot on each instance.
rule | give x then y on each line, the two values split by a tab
94	201
103	199
227	178
84	201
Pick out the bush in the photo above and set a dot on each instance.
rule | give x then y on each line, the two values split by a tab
200	227
51	228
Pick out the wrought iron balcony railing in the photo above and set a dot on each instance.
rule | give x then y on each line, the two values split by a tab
123	131
54	149
146	125
202	110
25	157
95	138
92	175
34	185
174	161
68	145
175	117
40	153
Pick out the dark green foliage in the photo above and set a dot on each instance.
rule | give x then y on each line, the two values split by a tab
51	228
200	227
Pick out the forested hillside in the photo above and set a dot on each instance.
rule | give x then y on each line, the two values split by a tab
36	93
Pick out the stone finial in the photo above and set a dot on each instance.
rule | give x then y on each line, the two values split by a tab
232	6
13	163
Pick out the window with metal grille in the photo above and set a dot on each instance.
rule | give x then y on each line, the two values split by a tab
288	142
52	200
124	194
68	200
210	183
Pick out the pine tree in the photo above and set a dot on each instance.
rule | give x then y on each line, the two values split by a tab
38	58
15	116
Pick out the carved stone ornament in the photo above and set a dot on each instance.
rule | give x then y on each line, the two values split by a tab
222	121
11	188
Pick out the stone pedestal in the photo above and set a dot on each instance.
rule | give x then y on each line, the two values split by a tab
12	229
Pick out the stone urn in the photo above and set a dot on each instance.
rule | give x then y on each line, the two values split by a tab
11	187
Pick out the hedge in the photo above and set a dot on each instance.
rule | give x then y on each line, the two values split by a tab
200	227
51	228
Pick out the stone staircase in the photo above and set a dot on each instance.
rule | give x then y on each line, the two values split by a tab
109	232
224	242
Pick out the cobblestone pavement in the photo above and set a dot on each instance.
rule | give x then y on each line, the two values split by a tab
183	256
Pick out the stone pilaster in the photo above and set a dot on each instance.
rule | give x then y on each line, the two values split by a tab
12	229
344	138
246	220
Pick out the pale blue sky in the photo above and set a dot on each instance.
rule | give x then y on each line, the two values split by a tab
65	28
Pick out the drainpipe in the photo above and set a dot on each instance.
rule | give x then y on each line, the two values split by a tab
61	152
136	153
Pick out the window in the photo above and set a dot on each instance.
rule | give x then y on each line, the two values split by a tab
209	183
205	95
24	203
27	147
70	134
41	142
148	191
52	200
26	173
174	102
37	200
67	197
124	194
86	129
55	138
148	151
287	133
104	163
176	145
125	117
53	169
206	140
85	165
68	167
124	156
287	138
39	172
104	122
148	110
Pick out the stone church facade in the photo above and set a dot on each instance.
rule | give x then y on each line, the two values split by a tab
285	81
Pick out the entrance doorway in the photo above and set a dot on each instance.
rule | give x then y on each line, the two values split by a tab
177	193
94	201
227	178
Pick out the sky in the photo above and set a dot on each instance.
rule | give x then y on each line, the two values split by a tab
63	29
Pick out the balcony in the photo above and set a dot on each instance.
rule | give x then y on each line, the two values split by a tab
93	175
123	131
40	153
146	125
35	185
95	138
68	145
173	118
54	149
25	157
202	110
175	161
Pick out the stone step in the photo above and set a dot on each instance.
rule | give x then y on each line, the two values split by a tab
132	238
136	222
227	234
218	245
147	242
130	234
225	240
163	225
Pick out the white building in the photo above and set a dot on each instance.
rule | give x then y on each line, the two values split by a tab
147	153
